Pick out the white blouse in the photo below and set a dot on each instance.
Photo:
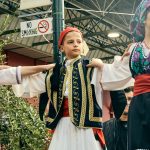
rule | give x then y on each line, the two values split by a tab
117	76
10	76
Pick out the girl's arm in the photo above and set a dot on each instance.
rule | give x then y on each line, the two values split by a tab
4	67
29	70
98	63
13	75
115	76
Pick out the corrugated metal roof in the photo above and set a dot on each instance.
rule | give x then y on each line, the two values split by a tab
94	26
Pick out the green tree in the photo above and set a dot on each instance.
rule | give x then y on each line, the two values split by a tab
20	126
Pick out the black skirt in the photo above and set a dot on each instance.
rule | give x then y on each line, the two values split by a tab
139	123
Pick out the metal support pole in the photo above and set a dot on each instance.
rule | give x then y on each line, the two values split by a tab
58	26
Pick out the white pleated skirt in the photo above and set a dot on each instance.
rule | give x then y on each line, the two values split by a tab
68	137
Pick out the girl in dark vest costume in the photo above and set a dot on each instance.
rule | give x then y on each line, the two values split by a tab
136	65
75	107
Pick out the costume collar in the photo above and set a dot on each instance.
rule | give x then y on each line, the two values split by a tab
70	62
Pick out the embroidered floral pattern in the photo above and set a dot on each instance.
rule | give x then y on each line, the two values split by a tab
140	64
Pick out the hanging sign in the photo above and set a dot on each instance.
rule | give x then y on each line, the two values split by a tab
36	27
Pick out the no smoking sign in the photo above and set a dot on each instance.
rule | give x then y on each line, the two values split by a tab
36	27
43	26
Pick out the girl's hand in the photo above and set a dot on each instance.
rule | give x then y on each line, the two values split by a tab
96	63
126	52
49	66
4	67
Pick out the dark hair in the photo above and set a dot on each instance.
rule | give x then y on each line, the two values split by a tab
129	89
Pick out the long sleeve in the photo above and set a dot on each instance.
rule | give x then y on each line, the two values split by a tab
113	77
117	76
98	89
10	76
30	86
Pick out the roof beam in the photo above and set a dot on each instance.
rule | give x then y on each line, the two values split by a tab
79	19
10	31
117	44
3	10
15	48
41	43
94	47
93	34
107	58
99	18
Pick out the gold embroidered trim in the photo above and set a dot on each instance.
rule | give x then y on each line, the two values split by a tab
49	119
55	100
48	84
74	60
61	97
70	103
70	68
64	84
91	102
83	87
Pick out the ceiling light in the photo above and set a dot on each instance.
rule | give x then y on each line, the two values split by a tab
113	34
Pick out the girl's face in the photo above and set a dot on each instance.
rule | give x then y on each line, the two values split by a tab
72	45
147	24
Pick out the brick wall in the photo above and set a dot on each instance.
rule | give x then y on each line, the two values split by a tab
14	59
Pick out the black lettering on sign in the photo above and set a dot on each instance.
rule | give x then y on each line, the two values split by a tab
29	24
29	32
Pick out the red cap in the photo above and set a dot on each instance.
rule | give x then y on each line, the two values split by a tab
64	32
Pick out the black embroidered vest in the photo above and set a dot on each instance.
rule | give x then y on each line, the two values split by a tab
84	110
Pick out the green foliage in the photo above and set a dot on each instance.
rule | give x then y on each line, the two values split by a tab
20	128
2	56
3	42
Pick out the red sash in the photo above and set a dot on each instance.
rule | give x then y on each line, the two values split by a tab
142	84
